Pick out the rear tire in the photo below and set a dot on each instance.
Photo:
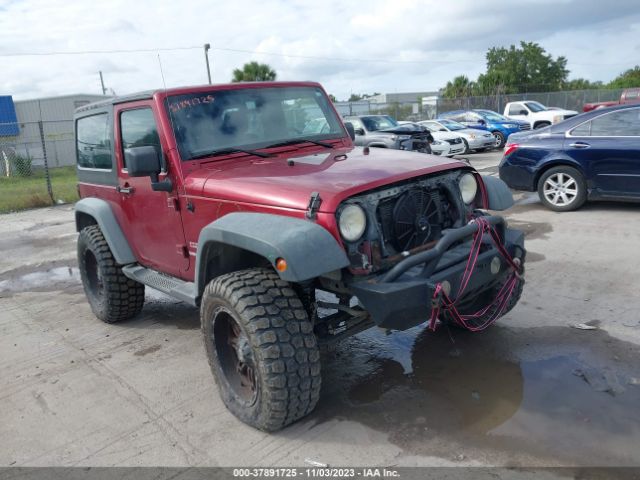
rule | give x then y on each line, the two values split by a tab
261	348
113	296
562	189
500	140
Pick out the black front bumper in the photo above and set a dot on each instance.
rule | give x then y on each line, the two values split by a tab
402	297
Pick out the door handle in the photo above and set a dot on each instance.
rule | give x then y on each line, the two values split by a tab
579	145
127	190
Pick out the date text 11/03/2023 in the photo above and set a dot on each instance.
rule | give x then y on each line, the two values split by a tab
316	472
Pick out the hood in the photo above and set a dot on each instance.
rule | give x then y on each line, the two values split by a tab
335	174
445	135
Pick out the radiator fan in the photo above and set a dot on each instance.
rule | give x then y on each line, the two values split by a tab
416	219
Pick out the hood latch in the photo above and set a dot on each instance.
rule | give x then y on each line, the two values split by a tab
314	205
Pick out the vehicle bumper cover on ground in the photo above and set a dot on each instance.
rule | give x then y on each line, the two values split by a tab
402	297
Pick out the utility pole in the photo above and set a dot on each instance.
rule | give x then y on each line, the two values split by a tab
206	59
104	90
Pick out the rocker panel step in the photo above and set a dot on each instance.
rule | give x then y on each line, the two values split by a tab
179	289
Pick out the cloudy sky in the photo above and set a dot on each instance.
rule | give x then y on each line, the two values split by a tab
348	46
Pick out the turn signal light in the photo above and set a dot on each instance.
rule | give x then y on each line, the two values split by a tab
281	264
510	148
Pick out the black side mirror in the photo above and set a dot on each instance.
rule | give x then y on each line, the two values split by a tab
350	130
359	131
145	162
523	112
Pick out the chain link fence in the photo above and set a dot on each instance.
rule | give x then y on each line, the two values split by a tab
36	164
427	110
569	100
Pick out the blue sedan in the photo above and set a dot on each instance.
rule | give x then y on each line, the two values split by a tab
501	127
593	156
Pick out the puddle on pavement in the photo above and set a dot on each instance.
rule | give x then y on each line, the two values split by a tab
520	391
56	278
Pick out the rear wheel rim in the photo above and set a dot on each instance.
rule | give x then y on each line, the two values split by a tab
235	355
94	276
560	189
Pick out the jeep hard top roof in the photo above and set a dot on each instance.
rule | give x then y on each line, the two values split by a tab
165	92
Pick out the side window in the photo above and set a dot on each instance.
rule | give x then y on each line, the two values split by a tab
623	123
515	108
93	143
459	117
472	117
138	129
583	130
356	123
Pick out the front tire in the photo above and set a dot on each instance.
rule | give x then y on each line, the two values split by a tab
261	348
562	189
466	147
113	296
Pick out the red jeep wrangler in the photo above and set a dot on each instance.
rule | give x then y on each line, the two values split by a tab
248	199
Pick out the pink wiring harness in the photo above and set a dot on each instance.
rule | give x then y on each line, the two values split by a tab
477	321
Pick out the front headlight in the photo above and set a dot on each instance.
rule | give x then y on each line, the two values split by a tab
352	222
468	187
557	118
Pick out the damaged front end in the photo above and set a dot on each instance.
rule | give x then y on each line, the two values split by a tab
429	251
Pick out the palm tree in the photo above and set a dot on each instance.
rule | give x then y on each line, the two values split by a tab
459	87
254	72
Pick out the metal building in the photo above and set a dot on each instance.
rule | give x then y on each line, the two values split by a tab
56	115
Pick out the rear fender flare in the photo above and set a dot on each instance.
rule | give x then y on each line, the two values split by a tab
90	211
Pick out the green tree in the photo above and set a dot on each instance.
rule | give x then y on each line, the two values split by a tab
254	72
582	84
628	79
460	86
527	68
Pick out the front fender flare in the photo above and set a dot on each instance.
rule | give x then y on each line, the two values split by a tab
309	249
101	212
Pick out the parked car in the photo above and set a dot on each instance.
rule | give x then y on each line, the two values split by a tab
215	196
383	131
593	156
471	137
499	126
629	95
445	143
536	114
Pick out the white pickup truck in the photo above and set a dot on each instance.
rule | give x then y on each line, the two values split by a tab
536	114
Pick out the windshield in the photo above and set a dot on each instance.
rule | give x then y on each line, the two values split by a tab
535	106
492	116
250	118
379	122
451	125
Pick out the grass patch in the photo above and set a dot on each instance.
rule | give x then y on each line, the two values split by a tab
19	193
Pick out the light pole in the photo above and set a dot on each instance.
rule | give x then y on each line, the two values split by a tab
206	59
104	90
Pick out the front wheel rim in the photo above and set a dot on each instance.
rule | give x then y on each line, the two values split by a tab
498	138
560	189
235	355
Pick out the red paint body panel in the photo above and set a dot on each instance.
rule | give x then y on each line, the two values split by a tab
163	232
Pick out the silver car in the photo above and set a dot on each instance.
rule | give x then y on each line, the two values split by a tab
474	139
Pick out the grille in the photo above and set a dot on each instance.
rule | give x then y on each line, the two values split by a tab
525	126
413	218
454	141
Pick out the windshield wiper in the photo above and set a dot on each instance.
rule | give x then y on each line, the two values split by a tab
300	140
225	151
